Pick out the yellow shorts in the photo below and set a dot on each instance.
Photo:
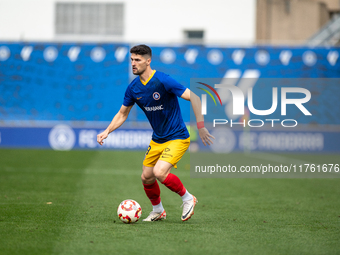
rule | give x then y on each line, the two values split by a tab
171	151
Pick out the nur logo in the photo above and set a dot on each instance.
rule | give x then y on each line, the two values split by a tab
289	96
204	97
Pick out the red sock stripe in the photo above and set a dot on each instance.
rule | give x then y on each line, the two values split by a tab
173	183
153	192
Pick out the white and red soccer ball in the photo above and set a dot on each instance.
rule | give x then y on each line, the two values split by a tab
129	211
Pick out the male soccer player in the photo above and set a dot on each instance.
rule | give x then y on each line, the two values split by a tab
156	94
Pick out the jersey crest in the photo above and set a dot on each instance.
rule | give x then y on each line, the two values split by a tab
156	96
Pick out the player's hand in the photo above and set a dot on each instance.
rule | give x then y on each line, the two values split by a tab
205	136
101	137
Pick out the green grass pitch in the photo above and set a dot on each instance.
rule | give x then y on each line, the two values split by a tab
65	203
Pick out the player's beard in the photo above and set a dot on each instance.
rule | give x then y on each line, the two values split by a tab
138	72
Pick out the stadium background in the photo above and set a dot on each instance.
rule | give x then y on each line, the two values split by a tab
65	83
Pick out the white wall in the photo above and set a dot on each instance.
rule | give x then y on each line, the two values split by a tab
153	21
26	19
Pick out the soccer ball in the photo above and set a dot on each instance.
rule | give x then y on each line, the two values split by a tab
129	211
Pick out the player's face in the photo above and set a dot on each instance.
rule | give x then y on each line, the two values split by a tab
139	63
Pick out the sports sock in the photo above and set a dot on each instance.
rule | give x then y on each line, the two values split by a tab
187	196
173	183
158	208
153	192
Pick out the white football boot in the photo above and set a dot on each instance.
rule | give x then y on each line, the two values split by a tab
188	208
154	216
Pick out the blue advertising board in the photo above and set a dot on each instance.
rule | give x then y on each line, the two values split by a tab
64	137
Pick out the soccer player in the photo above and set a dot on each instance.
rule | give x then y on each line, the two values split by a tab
156	94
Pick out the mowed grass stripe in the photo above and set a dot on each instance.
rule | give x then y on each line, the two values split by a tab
110	178
272	216
29	225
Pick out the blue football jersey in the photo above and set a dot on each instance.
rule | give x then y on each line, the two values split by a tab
158	100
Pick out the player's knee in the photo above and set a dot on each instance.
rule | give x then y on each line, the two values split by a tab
147	179
144	179
160	173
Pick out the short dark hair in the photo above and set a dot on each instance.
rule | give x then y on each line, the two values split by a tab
141	49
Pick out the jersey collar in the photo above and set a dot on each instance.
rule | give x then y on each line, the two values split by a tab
146	82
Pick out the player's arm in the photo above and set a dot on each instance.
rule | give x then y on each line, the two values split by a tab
196	106
116	122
